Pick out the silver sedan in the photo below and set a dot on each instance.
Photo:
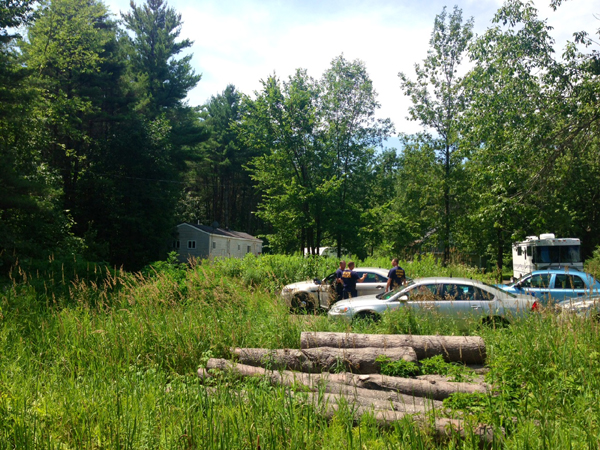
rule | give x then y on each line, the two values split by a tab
458	297
321	294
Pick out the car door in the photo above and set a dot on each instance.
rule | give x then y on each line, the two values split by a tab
537	285
463	301
326	290
423	297
568	285
373	284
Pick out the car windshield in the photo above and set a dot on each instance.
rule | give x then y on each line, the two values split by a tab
495	290
392	293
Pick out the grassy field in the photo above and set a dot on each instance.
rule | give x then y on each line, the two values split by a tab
97	358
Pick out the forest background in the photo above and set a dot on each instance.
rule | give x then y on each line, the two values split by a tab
101	155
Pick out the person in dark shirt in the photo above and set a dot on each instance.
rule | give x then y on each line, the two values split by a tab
339	285
349	279
396	276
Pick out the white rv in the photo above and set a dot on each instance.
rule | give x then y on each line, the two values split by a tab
545	252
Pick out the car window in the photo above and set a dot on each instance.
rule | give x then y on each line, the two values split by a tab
481	294
564	281
373	278
424	292
461	292
537	281
329	279
398	292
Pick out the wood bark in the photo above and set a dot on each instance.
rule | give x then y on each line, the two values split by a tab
436	390
439	427
384	411
465	349
323	359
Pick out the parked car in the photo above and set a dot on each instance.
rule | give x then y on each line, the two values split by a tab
588	307
555	285
460	298
320	294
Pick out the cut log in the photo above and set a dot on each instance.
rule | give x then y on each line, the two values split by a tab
365	397
315	360
408	386
442	428
385	413
465	349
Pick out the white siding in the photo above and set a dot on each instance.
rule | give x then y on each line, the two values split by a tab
209	245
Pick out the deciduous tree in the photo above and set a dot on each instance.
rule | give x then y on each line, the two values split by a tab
438	101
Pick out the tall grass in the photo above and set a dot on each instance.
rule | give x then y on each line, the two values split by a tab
111	363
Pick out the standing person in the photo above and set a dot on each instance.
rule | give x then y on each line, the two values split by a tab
396	276
339	285
350	278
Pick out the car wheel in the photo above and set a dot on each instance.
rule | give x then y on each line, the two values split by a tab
367	316
301	303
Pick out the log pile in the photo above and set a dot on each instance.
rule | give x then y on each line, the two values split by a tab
357	382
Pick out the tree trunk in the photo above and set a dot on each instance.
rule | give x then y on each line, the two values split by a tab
499	255
323	359
359	401
439	427
465	349
416	388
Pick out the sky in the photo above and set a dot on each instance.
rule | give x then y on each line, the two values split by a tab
242	42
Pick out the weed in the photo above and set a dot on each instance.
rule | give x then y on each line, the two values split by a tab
398	368
437	365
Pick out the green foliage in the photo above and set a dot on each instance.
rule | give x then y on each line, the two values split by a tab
315	144
428	366
592	265
160	79
133	355
438	102
220	189
399	368
437	366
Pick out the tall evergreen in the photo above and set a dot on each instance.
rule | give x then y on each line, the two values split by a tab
161	79
220	189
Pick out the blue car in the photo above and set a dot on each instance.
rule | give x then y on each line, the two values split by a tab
555	285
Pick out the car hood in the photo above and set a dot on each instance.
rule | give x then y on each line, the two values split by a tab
300	285
364	300
506	287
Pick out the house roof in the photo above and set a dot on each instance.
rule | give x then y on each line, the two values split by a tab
222	232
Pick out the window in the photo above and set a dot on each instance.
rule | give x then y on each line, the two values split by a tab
519	251
569	254
568	282
175	244
529	251
536	281
249	249
214	244
424	293
373	278
191	244
239	247
457	292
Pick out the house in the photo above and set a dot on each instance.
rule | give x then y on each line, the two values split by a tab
201	241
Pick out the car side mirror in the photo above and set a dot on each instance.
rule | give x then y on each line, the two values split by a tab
317	281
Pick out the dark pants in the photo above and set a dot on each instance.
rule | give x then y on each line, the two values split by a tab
351	294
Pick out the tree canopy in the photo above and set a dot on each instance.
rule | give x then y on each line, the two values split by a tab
101	153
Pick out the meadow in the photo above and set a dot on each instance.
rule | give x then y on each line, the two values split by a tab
96	358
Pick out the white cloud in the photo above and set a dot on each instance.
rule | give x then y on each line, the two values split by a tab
242	42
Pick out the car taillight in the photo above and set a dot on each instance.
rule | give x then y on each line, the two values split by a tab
535	306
